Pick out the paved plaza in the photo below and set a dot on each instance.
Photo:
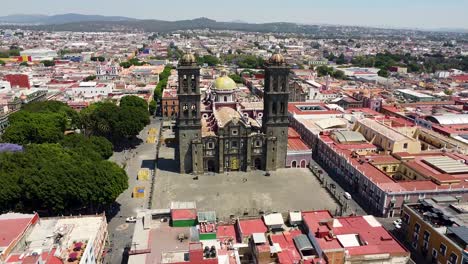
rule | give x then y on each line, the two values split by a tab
239	193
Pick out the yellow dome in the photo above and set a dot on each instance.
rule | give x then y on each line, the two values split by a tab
277	58
187	59
224	83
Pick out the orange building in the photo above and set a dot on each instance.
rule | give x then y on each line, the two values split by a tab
437	229
169	104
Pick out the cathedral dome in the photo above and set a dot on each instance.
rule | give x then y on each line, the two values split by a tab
224	83
188	59
277	59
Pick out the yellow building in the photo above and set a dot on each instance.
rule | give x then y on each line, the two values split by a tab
437	229
389	139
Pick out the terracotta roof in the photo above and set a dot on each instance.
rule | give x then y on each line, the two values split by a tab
183	214
250	226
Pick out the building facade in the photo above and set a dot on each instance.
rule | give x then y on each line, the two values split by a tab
224	135
436	228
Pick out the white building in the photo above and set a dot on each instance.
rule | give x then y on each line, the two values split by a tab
40	54
91	89
5	86
107	72
54	240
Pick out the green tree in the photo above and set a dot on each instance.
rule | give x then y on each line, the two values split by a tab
90	78
341	59
324	70
383	73
56	180
125	64
208	59
236	78
48	63
152	107
2	63
338	75
97	147
133	101
163	77
24	63
113	122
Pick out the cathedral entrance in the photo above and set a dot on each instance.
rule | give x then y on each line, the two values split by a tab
211	166
258	164
234	163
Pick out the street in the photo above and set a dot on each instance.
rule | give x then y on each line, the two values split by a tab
349	206
133	159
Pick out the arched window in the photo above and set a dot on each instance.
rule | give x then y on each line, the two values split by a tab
293	164
303	164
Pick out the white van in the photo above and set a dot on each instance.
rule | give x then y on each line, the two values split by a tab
347	195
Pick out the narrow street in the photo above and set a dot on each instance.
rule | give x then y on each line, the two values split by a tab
141	156
349	206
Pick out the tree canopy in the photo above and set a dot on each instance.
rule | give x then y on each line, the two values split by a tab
48	63
54	173
208	59
325	70
133	101
113	122
245	60
40	122
54	180
163	76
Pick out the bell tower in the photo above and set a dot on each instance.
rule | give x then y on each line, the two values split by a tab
189	151
275	112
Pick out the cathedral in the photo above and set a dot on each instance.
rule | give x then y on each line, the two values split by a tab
217	133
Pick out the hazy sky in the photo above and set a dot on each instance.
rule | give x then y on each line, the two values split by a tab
393	13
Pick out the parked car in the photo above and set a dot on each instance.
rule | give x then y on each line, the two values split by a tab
347	195
131	219
397	222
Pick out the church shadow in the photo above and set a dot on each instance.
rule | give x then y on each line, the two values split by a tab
112	210
170	165
127	144
147	164
170	145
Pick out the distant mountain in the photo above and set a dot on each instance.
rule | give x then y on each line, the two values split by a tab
58	19
150	25
93	23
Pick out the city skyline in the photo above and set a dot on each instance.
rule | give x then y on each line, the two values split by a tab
395	14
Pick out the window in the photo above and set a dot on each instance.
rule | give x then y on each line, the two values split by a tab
234	144
210	145
235	132
443	249
434	254
426	236
405	146
258	143
452	259
417	227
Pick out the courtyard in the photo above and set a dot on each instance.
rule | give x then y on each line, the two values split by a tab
239	193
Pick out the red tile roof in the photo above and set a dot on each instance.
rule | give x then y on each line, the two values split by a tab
289	253
226	231
248	227
378	240
296	144
183	214
18	80
12	228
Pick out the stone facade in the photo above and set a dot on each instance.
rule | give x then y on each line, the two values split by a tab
225	135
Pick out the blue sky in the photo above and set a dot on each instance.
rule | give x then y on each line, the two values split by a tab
393	13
